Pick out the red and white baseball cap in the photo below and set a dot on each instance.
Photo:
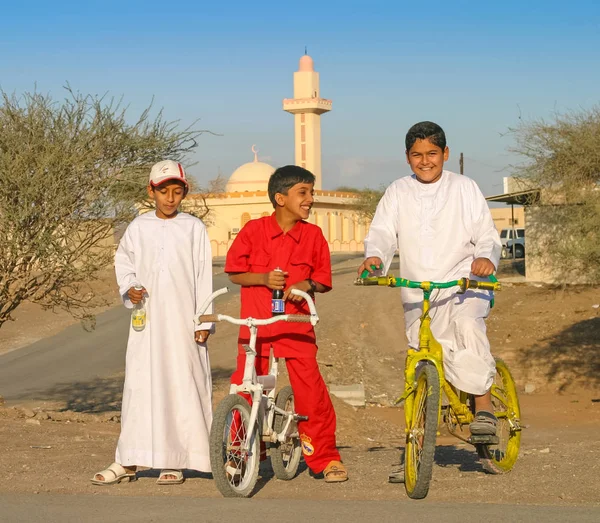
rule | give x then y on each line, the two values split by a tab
167	170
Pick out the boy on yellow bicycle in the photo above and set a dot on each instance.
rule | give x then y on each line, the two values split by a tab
443	229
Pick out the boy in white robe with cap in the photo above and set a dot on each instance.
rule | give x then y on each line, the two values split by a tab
166	411
443	229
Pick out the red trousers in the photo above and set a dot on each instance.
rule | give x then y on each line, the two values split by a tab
311	398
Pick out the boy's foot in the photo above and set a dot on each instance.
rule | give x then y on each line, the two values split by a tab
115	473
484	424
170	477
335	472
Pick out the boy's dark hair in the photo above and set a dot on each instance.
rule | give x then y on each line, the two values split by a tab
284	178
426	131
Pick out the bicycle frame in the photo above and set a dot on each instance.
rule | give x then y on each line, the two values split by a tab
429	348
423	389
255	385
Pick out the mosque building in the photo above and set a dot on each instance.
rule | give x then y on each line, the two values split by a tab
245	197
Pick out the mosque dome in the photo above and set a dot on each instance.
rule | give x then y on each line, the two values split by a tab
252	176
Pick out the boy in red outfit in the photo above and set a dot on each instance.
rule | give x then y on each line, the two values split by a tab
285	241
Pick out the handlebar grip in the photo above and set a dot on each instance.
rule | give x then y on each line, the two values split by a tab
366	273
374	280
485	285
208	318
299	318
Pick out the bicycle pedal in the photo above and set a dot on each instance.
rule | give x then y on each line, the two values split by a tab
484	439
396	477
299	417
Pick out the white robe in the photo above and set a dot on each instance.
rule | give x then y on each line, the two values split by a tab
167	410
439	229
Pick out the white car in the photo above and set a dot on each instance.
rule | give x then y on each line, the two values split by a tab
513	238
518	245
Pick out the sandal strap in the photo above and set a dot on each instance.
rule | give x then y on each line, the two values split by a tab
115	469
335	466
171	472
486	417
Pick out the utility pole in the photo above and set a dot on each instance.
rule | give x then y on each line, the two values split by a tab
461	162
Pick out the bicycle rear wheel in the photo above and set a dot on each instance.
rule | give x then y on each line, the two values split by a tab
285	457
234	469
499	459
421	436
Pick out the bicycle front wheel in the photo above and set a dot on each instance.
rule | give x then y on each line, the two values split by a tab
421	435
234	448
285	457
498	459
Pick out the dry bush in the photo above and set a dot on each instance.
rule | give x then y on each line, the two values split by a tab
71	172
366	202
562	159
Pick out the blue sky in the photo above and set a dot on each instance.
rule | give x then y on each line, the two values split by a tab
473	67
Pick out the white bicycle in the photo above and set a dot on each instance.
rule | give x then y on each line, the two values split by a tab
238	428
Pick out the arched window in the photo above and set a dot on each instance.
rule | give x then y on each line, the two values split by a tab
245	218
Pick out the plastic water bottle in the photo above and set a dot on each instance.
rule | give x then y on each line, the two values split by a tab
277	303
138	314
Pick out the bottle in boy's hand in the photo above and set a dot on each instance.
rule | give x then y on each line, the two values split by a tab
138	314
277	302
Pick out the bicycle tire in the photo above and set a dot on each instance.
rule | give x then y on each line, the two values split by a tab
499	459
234	472
421	435
285	457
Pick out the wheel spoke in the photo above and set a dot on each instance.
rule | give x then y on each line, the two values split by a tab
420	444
501	457
286	455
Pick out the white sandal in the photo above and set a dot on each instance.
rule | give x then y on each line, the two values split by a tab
170	472
117	471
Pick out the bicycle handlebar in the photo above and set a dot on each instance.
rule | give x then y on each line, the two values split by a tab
299	318
313	318
463	283
486	285
207	318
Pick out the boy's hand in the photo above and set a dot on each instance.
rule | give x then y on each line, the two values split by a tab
275	279
301	286
201	336
482	267
136	296
366	265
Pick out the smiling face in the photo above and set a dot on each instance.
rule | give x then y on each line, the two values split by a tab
167	197
298	201
427	160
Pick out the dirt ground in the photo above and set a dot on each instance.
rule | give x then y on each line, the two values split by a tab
549	337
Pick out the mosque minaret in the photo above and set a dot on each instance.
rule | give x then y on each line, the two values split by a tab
246	198
307	107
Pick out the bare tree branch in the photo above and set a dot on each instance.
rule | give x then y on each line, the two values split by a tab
562	158
71	171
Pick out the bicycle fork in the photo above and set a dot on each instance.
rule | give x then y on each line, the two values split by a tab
255	385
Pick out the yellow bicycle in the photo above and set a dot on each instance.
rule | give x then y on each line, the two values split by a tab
424	384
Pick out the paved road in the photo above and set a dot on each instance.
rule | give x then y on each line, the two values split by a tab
44	368
102	508
74	362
